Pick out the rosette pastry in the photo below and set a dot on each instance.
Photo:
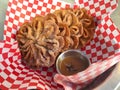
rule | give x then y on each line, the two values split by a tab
39	43
45	37
86	25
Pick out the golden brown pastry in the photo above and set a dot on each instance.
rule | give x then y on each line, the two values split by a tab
87	26
39	46
66	16
45	37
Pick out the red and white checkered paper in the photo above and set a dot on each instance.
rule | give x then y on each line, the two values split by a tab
103	50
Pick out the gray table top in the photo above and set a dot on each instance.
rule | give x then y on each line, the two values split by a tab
3	8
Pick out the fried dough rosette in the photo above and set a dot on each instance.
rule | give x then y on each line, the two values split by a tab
66	16
45	37
39	43
88	25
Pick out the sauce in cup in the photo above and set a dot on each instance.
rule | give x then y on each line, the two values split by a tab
71	62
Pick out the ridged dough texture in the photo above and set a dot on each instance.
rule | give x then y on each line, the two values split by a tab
43	38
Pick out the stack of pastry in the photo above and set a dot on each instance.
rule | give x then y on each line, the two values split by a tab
45	37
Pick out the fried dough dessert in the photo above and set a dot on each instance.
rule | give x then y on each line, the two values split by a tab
45	37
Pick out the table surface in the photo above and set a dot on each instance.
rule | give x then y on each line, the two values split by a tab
113	81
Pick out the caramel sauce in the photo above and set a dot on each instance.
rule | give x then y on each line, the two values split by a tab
71	65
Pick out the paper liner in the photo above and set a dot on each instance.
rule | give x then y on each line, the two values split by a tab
103	50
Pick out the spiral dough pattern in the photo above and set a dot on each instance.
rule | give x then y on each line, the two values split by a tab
45	37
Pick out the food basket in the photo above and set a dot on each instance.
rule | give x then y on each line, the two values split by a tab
103	51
